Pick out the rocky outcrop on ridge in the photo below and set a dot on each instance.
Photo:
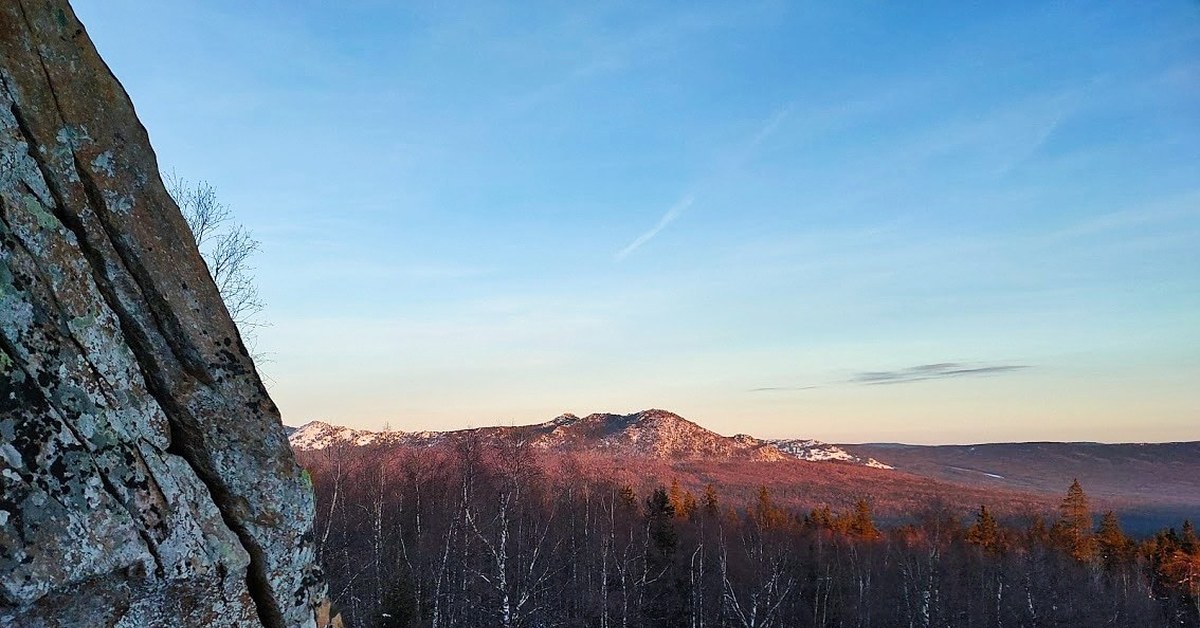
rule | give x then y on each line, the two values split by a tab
145	478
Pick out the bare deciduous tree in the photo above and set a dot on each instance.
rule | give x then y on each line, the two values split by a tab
227	247
479	534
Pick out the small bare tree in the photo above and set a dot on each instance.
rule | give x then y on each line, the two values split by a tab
227	248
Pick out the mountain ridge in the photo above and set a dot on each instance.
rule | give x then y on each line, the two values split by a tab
652	433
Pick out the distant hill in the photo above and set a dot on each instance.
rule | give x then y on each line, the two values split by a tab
1151	485
1152	481
656	434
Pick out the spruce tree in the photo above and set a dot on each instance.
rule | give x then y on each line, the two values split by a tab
709	502
1188	541
1075	523
985	532
1114	547
664	602
675	494
861	523
766	513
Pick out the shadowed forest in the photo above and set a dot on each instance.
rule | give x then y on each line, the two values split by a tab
476	535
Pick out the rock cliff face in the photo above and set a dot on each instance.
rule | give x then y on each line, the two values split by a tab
145	479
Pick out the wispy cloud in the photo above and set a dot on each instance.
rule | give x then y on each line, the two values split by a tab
767	389
1155	212
770	126
919	373
667	218
923	372
735	161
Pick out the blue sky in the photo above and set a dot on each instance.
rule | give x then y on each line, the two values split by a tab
847	221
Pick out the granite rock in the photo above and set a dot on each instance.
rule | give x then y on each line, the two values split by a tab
145	478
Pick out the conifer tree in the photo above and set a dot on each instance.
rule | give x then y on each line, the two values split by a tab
821	518
1111	543
682	501
861	523
1037	533
1073	530
659	513
675	494
985	532
688	508
664	603
766	513
709	502
1075	509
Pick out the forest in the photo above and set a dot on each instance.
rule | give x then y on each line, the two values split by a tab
485	536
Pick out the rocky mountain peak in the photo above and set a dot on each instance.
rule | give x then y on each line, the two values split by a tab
565	419
655	414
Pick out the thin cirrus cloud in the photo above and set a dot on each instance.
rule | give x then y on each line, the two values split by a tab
767	389
924	372
667	218
735	161
919	373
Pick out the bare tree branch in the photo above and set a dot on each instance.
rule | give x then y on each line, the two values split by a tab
227	247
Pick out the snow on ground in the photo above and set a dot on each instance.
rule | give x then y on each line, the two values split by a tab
817	451
319	435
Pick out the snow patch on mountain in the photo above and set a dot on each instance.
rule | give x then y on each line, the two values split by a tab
319	435
817	451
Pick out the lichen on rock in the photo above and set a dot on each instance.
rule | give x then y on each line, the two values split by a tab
145	478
